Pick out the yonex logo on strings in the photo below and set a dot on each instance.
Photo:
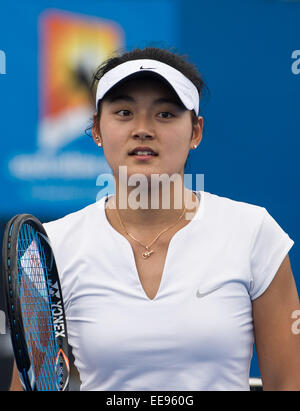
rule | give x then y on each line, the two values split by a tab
2	62
58	320
296	64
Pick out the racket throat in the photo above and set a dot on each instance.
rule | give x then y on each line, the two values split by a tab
28	379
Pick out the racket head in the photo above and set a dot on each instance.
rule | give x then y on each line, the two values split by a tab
35	308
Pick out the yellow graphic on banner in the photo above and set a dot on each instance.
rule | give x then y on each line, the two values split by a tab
71	47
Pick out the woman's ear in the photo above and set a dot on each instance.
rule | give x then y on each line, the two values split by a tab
95	131
197	133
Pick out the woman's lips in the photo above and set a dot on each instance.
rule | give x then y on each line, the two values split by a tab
143	156
142	150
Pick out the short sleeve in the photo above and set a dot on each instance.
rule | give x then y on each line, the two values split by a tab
271	245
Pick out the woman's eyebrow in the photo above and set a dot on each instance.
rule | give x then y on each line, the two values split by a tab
120	97
169	100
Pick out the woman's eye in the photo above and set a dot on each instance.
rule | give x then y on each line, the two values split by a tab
165	114
124	113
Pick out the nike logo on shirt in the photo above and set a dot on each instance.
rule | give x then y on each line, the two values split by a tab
201	295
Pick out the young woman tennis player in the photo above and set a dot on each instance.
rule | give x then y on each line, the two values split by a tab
170	297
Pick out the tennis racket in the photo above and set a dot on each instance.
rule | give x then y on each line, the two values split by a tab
35	307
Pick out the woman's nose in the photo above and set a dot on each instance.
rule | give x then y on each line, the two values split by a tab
143	135
143	129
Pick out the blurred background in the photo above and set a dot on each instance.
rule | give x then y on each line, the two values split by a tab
248	52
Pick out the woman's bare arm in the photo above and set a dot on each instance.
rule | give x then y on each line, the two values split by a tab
15	384
277	343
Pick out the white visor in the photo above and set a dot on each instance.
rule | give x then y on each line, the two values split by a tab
184	88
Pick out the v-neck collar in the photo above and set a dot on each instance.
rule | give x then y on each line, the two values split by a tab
182	231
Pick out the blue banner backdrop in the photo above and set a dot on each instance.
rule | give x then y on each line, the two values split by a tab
49	164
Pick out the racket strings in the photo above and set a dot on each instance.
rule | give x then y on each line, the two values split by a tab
35	299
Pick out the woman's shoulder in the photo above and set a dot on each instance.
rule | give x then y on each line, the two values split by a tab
74	223
237	215
71	217
230	205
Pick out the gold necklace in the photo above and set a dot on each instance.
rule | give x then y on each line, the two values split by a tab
149	252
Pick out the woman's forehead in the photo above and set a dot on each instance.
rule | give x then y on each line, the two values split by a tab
151	85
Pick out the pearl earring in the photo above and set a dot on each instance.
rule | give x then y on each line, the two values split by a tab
195	146
97	139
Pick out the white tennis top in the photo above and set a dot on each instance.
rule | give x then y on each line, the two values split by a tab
197	333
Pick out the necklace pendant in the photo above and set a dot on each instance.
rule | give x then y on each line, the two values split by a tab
147	254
